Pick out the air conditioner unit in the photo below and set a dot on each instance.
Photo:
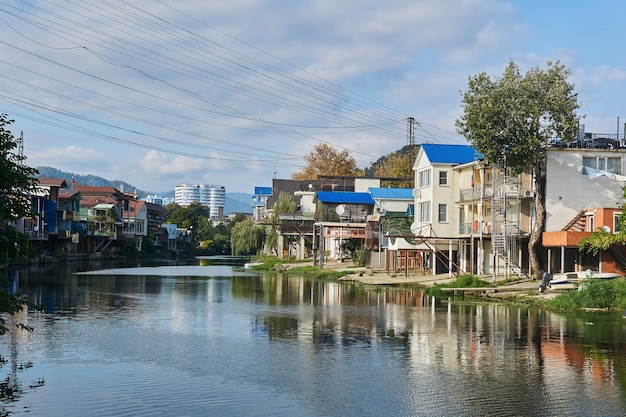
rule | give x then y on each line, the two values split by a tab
529	193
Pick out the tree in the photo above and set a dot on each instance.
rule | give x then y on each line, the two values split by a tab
326	160
515	117
17	183
246	238
398	164
285	204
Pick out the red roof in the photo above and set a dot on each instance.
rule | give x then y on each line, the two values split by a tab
52	182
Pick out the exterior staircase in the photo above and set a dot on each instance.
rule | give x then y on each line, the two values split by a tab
577	224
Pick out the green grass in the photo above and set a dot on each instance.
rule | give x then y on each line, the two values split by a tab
592	294
463	281
274	263
316	273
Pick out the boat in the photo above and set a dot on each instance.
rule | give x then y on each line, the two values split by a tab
575	277
250	265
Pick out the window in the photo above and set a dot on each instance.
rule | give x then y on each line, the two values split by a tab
423	178
616	222
603	163
590	223
442	215
443	178
424	212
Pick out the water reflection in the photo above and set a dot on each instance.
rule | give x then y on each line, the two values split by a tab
362	350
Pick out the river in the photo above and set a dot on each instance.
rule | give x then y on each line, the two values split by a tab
209	338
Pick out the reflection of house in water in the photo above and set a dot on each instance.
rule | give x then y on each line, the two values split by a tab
564	356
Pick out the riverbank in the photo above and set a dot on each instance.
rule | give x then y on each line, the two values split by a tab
525	289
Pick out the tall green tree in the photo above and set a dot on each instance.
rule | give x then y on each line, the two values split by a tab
246	238
17	183
326	160
515	116
285	204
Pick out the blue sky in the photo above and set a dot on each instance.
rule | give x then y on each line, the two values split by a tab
236	93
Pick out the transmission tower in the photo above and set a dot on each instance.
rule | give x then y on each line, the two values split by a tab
20	148
411	124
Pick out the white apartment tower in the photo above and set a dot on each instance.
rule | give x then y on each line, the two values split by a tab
212	196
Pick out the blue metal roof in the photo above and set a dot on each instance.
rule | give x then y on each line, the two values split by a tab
263	190
450	154
391	193
344	197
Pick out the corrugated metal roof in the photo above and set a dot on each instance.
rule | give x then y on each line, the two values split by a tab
450	154
344	197
391	193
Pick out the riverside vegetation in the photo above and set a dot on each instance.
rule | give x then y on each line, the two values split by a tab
590	294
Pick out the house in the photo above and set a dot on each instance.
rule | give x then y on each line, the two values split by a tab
583	193
259	206
43	225
437	219
470	217
341	215
392	218
156	216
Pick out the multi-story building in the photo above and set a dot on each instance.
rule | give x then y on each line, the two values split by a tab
470	217
584	191
212	196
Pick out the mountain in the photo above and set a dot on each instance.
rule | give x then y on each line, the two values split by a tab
235	202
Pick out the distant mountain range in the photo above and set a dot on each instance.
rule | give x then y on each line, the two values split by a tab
235	202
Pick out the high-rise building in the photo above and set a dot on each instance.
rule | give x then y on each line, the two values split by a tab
212	196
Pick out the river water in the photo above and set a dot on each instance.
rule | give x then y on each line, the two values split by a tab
209	338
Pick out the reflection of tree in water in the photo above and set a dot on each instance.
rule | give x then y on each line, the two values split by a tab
11	388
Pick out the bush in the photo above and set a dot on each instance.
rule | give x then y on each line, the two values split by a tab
592	293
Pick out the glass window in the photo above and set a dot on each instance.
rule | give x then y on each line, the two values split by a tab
423	178
443	178
616	222
424	212
442	215
590	223
602	163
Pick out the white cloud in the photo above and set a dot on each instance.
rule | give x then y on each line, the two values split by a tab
219	92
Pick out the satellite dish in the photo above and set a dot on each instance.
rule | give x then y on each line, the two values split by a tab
606	229
340	209
488	192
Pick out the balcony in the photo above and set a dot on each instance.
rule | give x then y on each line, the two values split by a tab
514	228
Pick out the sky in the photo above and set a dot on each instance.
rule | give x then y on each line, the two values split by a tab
235	93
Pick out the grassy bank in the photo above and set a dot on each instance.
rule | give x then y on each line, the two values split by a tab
592	294
462	281
606	294
293	267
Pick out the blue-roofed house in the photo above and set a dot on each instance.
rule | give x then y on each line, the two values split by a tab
261	195
435	195
344	206
435	188
341	215
460	206
395	200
